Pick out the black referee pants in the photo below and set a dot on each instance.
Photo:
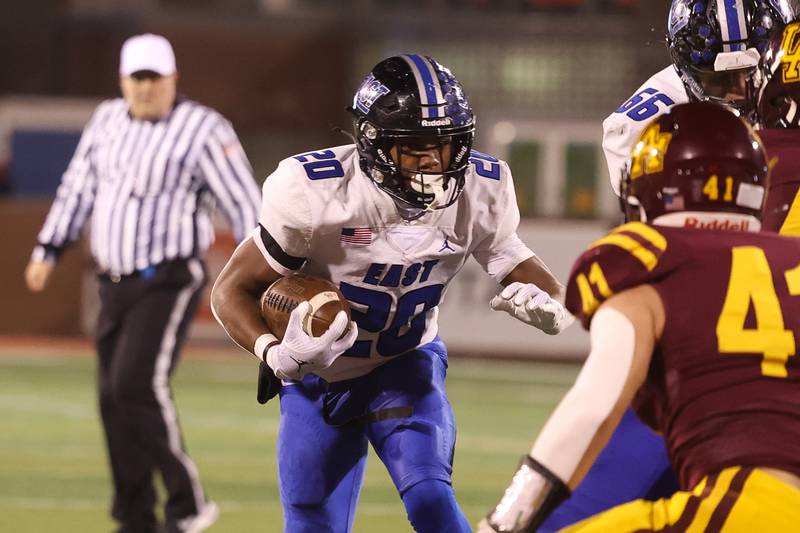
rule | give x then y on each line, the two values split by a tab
141	327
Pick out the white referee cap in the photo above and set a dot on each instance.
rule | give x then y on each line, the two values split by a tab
147	52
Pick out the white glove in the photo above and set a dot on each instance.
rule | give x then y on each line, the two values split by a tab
532	305
299	353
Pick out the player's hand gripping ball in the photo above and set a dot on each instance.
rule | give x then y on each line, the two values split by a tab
324	298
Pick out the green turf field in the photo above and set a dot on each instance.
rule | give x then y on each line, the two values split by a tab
53	474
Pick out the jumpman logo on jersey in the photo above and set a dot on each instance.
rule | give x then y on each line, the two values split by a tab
446	245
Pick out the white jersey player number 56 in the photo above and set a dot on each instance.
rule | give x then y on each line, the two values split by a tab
644	104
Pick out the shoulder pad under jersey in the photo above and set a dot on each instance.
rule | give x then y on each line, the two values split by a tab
622	128
630	255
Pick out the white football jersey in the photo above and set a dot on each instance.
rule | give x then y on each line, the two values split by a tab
622	128
321	214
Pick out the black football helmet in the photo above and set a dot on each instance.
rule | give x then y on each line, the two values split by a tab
413	100
698	157
779	97
715	46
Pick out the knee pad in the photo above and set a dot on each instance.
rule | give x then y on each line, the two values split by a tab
432	508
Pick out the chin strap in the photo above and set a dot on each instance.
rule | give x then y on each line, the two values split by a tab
533	494
439	198
435	186
348	134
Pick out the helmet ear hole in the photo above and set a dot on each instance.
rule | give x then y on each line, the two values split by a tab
377	176
370	131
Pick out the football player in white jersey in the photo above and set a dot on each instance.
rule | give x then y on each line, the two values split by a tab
715	46
390	220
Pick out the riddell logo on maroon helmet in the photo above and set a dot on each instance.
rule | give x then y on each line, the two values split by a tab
730	225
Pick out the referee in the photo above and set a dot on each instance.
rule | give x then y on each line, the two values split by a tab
148	171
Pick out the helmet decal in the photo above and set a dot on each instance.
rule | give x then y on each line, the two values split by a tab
648	154
779	94
732	24
370	90
430	90
790	59
678	17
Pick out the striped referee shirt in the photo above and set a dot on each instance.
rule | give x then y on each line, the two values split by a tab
150	187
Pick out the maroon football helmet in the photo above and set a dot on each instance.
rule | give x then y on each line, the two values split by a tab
698	157
779	97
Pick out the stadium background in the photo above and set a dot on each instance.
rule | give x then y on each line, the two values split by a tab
541	75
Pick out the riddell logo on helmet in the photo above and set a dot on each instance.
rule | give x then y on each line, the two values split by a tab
382	155
730	225
446	121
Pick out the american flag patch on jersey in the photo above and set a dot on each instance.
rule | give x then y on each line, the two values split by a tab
673	203
362	236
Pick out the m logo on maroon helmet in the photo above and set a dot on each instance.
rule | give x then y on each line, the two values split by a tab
790	60
648	154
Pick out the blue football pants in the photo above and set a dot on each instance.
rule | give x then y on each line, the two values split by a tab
321	463
633	465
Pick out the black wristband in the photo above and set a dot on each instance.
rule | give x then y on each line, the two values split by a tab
556	492
266	350
527	516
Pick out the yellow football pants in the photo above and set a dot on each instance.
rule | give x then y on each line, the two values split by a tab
735	500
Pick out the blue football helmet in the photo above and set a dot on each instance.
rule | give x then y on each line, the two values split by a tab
715	46
413	101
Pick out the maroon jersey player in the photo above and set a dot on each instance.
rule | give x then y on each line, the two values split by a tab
782	211
723	385
779	114
693	316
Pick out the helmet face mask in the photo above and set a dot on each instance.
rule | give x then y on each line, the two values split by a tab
729	86
414	132
715	47
421	163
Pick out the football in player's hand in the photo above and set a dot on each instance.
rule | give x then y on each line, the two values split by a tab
285	294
